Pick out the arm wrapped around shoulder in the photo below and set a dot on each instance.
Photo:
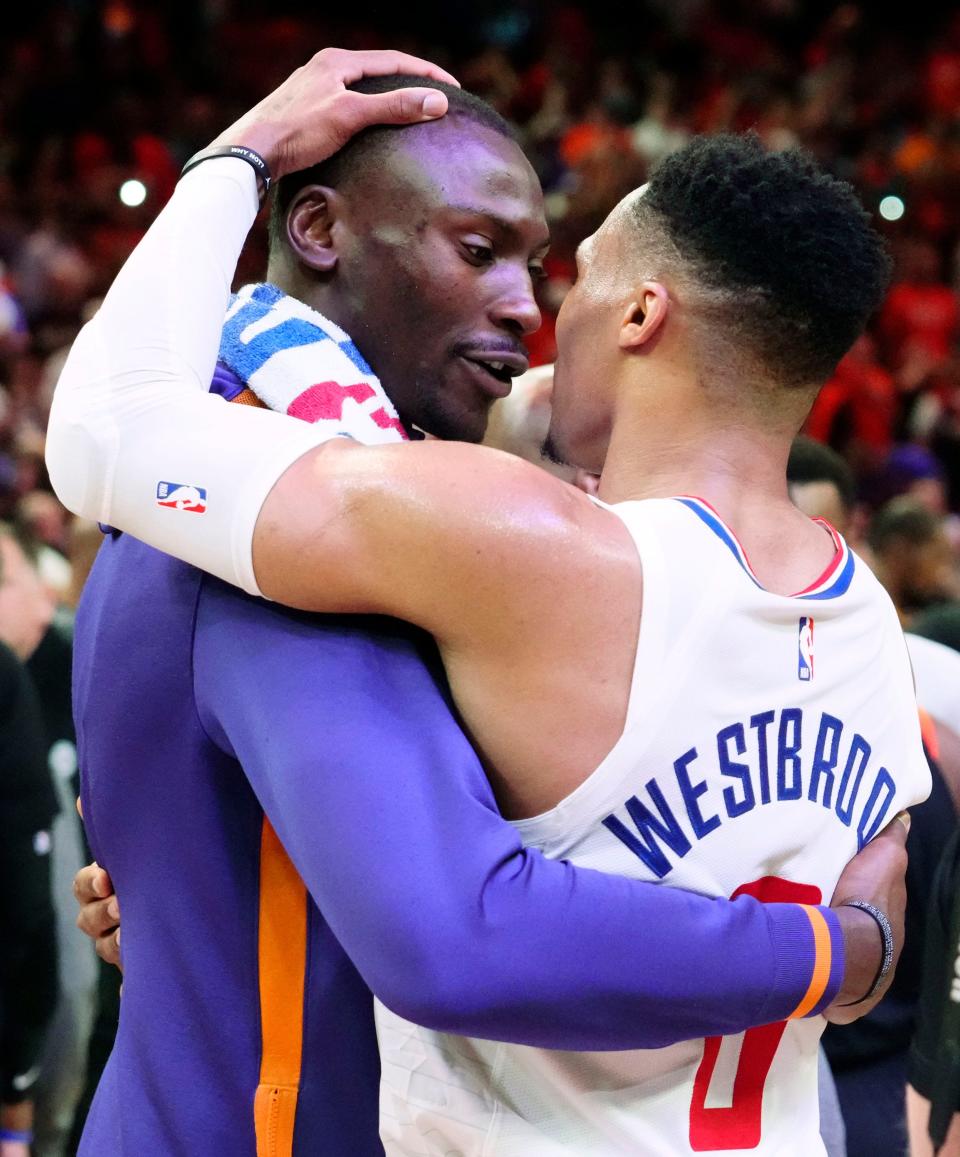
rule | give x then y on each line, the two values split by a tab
135	440
184	472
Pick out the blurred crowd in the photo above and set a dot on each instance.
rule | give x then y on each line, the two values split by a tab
101	102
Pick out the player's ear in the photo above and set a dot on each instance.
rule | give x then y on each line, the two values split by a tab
310	227
644	317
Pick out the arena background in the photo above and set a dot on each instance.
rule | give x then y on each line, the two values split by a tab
102	102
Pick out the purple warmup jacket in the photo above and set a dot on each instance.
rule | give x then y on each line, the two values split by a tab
202	714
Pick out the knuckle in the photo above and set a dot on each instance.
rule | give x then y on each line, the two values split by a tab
401	106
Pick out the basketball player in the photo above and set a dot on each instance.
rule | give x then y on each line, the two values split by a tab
719	752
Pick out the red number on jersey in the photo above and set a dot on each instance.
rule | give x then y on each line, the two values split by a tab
737	1126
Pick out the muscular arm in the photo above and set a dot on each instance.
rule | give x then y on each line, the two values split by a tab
465	541
390	821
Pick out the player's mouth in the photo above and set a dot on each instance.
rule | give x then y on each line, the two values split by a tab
495	370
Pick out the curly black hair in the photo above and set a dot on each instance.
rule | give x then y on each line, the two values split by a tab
790	246
359	157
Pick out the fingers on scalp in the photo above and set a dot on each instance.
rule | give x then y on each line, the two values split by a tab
354	65
406	104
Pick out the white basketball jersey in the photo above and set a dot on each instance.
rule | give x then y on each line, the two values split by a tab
767	738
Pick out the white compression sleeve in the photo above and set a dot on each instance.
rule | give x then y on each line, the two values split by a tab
132	409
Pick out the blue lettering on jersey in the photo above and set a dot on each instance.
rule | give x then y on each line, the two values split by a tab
761	722
788	754
744	755
648	828
735	770
825	762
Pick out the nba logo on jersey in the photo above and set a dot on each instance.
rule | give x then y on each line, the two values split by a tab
805	649
180	497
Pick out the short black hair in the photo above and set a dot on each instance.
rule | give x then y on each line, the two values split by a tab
902	520
791	244
812	461
359	156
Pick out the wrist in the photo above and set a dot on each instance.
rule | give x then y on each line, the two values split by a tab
259	166
266	139
863	953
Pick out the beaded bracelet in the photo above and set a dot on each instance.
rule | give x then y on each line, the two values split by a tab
886	933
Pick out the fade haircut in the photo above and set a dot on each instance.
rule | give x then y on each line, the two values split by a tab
781	255
361	156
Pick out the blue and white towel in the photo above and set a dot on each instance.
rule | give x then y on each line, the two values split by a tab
297	362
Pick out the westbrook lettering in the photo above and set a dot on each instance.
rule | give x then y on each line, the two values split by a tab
775	755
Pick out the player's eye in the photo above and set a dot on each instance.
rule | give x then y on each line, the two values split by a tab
537	273
478	253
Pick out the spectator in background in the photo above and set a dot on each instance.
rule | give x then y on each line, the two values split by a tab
43	640
821	484
933	1093
912	557
942	624
856	409
914	472
869	1059
28	947
919	322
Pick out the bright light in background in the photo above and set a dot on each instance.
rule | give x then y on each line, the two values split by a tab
134	193
892	208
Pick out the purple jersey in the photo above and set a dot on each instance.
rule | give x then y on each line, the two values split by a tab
201	713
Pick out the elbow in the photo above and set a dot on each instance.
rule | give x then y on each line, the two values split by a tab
433	980
78	441
75	464
432	997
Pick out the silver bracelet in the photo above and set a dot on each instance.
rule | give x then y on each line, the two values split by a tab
886	933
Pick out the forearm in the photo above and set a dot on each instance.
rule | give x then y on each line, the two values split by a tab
542	953
385	810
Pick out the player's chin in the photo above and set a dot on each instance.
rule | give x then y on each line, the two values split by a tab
460	418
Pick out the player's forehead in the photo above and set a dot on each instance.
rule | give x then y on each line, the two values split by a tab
464	165
609	243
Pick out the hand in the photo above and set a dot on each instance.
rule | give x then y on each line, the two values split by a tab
313	114
99	914
877	874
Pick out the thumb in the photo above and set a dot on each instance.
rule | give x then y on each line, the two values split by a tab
401	106
897	830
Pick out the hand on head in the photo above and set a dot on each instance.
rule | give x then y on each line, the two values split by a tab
313	113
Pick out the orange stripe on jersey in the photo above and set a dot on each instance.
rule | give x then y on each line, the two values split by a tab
282	953
822	963
928	733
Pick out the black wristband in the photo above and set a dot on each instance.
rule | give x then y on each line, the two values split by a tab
241	152
886	934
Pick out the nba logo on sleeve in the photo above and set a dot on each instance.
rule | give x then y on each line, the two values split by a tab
805	649
179	497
